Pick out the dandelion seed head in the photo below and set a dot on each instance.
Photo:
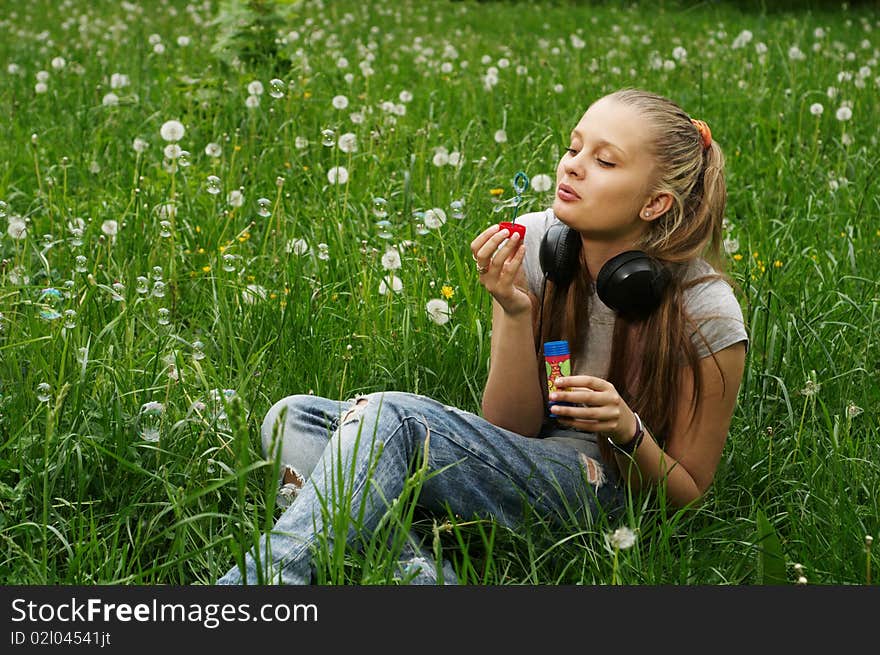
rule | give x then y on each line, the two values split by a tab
337	175
390	283
391	259
542	182
438	311
621	538
434	218
172	131
347	142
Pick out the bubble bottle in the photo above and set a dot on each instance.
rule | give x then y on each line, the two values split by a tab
557	362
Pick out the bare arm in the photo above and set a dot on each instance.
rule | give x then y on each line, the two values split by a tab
693	450
512	398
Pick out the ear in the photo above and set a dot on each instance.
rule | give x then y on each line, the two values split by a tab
656	206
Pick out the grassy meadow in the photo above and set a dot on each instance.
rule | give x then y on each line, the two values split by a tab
207	206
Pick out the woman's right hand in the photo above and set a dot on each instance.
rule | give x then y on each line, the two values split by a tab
501	270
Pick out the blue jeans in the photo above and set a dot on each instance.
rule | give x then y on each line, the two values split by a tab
376	441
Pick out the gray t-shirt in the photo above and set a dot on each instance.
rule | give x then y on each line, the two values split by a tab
711	304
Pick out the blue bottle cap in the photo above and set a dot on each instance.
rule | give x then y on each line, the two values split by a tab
556	348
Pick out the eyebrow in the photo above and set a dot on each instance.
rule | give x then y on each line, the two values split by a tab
601	142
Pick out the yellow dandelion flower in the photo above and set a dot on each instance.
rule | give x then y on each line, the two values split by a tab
283	304
201	251
305	168
755	255
206	268
447	291
737	257
251	278
273	296
497	191
237	148
777	264
198	229
222	248
307	94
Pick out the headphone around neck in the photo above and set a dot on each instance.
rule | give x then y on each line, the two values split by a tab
632	283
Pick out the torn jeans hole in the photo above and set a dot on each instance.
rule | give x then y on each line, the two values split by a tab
291	483
354	412
595	471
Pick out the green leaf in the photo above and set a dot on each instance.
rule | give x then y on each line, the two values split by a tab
771	560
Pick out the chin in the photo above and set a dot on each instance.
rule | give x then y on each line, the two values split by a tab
562	211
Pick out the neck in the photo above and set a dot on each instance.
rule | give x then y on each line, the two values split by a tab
597	253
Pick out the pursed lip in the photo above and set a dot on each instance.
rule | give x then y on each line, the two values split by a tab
569	190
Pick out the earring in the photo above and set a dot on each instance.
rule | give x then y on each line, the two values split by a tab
648	213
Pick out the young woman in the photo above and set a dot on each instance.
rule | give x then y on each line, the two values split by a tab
650	396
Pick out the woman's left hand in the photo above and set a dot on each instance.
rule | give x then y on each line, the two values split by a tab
595	407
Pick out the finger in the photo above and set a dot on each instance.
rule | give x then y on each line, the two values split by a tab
581	396
508	249
483	237
487	250
588	381
514	262
582	412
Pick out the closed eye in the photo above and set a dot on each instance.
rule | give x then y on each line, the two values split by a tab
605	164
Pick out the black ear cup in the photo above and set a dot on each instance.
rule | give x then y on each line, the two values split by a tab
631	283
559	253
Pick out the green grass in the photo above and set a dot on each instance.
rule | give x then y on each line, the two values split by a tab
85	499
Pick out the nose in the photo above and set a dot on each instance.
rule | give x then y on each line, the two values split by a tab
572	166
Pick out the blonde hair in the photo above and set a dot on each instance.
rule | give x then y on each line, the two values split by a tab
648	357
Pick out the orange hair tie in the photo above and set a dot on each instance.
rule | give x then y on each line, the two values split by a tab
705	132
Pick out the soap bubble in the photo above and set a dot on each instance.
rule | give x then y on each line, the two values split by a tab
384	228
264	206
198	350
276	88
49	314
150	420
328	138
212	185
44	392
69	318
380	207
